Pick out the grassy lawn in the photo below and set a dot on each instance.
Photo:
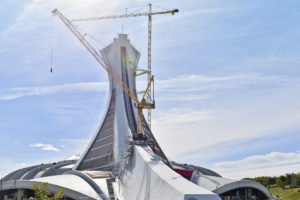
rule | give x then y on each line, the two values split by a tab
286	194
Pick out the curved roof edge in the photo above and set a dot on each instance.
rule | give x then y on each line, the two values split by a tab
88	180
25	184
240	184
38	171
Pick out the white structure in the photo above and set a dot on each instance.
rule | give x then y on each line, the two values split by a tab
112	168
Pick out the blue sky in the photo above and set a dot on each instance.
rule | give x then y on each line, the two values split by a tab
227	82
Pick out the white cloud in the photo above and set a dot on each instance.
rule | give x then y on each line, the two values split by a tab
44	147
181	126
196	126
271	164
273	158
15	93
185	97
187	87
74	157
182	83
181	115
255	172
194	82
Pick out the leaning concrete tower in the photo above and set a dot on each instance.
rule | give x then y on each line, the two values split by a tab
110	145
143	170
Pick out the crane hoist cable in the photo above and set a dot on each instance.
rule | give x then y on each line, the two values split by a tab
51	48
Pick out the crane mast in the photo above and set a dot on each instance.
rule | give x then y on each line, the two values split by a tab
140	104
149	62
149	70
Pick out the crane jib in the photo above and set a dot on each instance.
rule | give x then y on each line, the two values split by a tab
126	15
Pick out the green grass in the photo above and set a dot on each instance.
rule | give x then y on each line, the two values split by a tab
286	194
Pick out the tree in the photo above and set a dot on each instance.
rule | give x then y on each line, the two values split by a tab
283	178
295	181
271	181
289	179
280	183
42	192
262	180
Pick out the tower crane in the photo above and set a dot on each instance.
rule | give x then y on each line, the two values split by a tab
143	104
149	70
